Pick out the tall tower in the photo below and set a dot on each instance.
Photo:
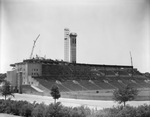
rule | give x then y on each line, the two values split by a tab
73	47
66	44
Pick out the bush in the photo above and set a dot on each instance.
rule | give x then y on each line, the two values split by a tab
16	107
81	111
128	111
108	112
57	110
40	110
5	106
143	111
26	109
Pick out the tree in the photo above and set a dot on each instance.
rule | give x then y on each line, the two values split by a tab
125	94
6	89
55	93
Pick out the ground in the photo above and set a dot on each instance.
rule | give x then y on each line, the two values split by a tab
99	104
143	95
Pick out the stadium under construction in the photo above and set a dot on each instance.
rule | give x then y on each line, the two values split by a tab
38	75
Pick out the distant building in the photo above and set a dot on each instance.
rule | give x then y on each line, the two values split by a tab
73	47
69	46
66	44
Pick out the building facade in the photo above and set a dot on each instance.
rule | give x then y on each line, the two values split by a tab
69	46
66	44
12	77
27	69
73	47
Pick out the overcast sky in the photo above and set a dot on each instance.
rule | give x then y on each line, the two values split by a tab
107	30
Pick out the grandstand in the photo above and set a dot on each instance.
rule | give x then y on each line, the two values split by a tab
76	80
72	78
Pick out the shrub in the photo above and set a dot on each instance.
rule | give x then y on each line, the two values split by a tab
66	111
56	110
26	110
120	111
127	111
108	112
81	111
40	110
5	106
17	107
143	111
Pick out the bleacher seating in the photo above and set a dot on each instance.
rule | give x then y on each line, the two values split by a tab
89	85
121	72
74	77
47	83
72	86
103	85
117	84
143	83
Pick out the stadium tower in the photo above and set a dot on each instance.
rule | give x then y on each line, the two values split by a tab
66	44
73	47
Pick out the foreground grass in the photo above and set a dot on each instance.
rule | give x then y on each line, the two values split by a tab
144	95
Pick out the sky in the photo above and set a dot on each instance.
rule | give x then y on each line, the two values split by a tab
107	31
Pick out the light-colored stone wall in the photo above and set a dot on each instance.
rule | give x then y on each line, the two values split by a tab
12	77
29	69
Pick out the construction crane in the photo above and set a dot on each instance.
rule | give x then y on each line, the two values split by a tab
34	46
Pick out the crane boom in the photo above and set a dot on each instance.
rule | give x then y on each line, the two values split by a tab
34	46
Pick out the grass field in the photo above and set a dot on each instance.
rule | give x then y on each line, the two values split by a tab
94	98
99	104
144	95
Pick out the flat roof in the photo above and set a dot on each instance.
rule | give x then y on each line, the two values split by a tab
57	62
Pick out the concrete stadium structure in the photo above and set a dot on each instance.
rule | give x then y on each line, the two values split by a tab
39	75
